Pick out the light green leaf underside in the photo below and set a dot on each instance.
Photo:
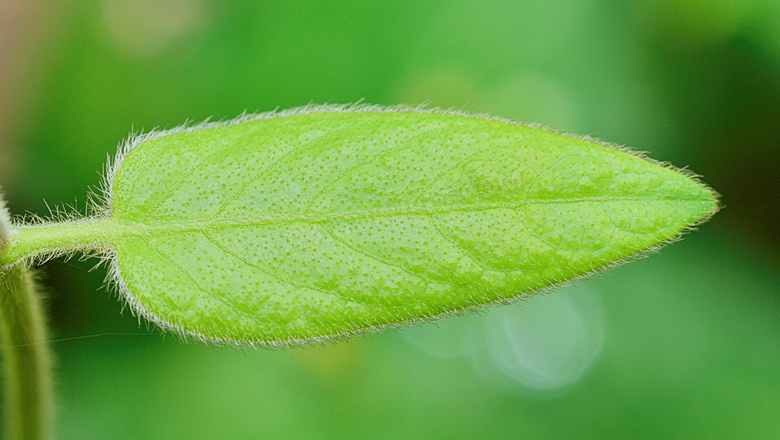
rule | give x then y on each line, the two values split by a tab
325	224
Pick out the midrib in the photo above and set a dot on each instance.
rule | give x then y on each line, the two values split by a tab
96	234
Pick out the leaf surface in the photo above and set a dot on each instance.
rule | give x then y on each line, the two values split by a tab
325	223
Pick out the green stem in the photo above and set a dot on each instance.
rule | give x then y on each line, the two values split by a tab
56	238
27	362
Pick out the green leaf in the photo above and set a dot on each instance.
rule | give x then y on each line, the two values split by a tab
324	222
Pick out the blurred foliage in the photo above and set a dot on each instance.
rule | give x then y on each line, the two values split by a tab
685	344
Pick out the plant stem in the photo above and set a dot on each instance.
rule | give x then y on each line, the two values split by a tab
27	362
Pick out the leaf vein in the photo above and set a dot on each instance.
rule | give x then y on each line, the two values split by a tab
270	168
423	277
465	251
276	276
197	285
331	218
351	172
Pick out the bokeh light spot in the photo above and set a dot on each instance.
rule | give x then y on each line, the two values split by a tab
442	86
148	27
446	339
546	344
534	97
691	23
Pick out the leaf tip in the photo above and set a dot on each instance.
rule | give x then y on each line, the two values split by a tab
709	198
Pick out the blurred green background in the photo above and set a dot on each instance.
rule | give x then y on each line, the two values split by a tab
684	344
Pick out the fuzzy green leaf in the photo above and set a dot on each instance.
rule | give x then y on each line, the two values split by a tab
325	222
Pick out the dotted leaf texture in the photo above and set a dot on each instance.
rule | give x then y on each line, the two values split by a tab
324	222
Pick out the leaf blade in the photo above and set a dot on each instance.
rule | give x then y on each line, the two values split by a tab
328	223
